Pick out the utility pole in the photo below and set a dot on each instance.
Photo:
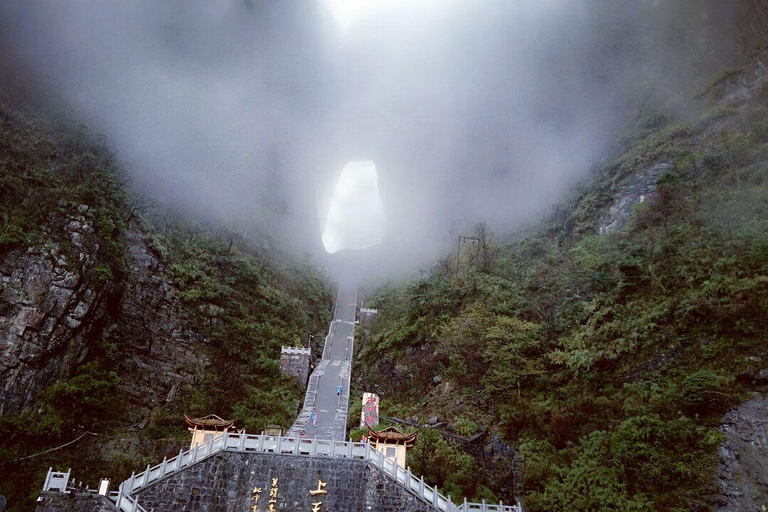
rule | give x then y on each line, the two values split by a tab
458	251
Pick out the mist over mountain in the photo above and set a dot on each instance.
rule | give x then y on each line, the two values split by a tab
555	213
243	113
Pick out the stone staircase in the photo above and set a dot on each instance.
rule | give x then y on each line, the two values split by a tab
336	361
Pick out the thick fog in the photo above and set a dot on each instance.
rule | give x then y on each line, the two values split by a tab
245	112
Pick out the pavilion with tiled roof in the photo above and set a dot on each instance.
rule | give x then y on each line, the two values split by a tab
207	428
392	442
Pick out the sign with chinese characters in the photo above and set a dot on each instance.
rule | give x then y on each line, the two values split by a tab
272	503
317	506
255	495
370	415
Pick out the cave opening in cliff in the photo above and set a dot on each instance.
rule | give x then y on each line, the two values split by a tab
356	216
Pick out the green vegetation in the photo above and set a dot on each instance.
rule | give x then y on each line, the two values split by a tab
244	301
248	307
445	465
48	167
607	361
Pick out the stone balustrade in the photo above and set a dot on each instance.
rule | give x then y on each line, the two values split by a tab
295	351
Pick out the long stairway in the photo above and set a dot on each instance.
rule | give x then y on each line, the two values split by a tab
304	439
333	371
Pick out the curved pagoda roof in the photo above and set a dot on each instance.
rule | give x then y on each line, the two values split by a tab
210	422
392	435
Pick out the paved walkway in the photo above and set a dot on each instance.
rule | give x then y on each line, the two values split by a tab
333	370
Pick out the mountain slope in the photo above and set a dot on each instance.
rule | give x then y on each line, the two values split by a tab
602	348
116	318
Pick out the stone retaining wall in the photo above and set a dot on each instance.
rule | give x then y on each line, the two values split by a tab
73	502
295	365
226	481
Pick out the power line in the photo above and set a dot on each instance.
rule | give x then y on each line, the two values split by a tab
56	448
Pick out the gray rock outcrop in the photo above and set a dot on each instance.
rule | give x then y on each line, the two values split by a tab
153	329
55	308
742	474
50	303
633	189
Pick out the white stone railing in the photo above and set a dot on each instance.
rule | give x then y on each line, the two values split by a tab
126	502
294	351
302	447
56	480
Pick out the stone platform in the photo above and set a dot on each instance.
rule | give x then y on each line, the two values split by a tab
226	481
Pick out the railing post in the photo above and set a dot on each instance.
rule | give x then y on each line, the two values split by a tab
209	448
394	471
162	468
333	449
484	509
466	505
132	481
242	442
435	500
194	454
119	495
296	446
146	476
47	478
408	478
135	505
279	443
367	451
351	448
313	448
179	459
421	487
261	442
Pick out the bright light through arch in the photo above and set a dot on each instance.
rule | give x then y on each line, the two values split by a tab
356	216
348	12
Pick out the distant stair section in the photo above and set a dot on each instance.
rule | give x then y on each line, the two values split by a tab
327	396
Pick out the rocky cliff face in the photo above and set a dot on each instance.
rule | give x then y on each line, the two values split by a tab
153	330
46	295
742	479
54	309
634	189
